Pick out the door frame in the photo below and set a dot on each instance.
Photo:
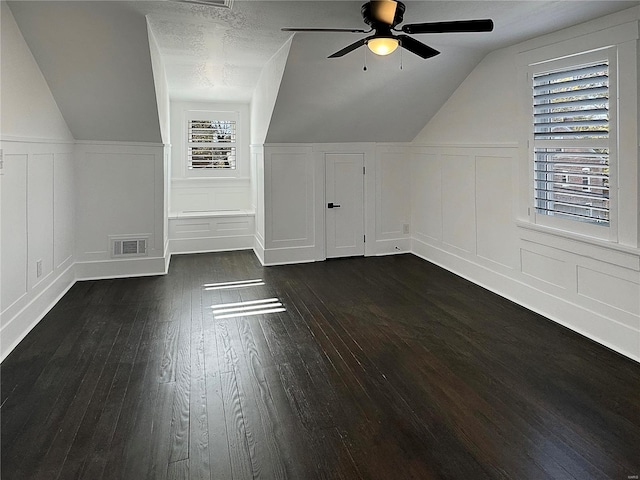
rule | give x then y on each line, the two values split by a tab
354	221
369	152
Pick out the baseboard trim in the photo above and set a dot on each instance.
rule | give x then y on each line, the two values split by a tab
210	244
19	326
258	249
585	322
388	246
287	256
134	267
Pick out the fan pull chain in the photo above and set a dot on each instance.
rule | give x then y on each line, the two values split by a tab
400	54
365	59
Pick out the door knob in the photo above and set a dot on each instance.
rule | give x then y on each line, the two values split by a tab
332	205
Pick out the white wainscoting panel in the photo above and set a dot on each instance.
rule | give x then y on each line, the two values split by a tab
610	290
40	217
203	195
289	204
588	285
120	192
217	231
550	270
426	211
393	194
458	201
37	229
496	239
14	227
257	158
63	198
291	190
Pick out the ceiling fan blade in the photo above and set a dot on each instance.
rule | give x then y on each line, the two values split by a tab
349	48
351	30
383	10
419	48
485	25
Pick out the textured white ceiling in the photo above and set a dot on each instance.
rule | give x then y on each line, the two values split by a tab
95	57
334	100
217	54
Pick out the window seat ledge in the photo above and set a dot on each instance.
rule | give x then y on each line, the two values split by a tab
211	213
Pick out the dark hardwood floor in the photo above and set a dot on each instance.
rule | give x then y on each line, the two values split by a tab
381	368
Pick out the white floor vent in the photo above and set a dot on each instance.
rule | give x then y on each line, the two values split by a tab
129	247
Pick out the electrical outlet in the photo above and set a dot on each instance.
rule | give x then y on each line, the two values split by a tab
39	268
405	228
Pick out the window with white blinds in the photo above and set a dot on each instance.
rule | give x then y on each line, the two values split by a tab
211	144
571	142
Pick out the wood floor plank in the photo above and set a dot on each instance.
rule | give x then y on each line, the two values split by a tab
79	341
35	439
238	446
218	438
170	355
181	406
160	437
179	470
267	453
71	445
136	459
114	464
100	443
379	367
198	413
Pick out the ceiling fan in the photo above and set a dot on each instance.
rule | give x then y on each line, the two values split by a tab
383	16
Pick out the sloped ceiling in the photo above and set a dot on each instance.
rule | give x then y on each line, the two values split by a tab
335	100
95	57
325	101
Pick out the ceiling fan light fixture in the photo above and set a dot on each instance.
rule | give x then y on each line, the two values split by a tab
383	45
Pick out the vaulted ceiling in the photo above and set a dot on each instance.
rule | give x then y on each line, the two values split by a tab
95	57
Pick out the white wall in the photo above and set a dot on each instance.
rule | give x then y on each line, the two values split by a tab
96	60
28	108
266	93
470	184
209	194
120	193
257	196
294	200
161	86
36	192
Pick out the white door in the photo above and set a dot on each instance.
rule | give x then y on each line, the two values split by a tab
344	216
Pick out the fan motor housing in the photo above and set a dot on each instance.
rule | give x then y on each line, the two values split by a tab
369	20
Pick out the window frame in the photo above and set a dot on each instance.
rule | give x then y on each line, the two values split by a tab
211	115
603	232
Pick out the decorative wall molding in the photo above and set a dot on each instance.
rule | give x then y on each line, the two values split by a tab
587	285
49	141
211	233
133	267
600	328
21	317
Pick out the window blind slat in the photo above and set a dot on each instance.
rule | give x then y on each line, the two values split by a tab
571	123
588	70
574	192
571	104
574	134
591	93
571	84
569	113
